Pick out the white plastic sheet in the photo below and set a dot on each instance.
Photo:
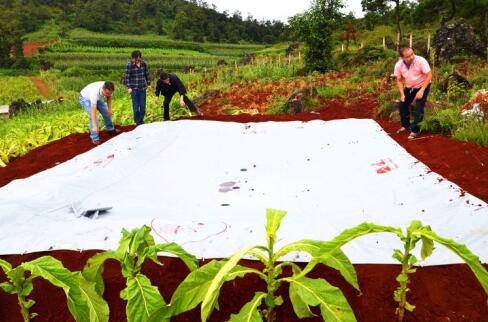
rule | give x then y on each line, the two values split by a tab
206	185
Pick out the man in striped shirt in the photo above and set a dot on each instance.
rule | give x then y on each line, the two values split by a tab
413	76
137	79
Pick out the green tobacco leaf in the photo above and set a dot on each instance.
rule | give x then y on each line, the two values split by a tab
333	305
302	310
93	269
341	262
142	298
192	290
6	267
9	288
84	303
175	249
462	251
212	294
273	221
141	239
427	247
249	312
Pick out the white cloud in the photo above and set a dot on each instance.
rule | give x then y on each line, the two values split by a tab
275	9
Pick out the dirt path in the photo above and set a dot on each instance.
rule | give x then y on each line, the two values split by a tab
32	48
41	86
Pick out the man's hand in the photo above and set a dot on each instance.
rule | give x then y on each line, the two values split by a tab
130	90
420	94
402	98
182	101
95	129
110	112
156	101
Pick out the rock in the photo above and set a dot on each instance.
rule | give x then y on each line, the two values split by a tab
246	60
479	102
292	48
188	69
17	106
45	65
454	78
213	93
301	100
221	62
456	38
395	116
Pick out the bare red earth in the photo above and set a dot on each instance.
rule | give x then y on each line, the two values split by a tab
41	86
441	293
32	48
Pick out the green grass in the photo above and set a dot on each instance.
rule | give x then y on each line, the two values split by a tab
16	87
332	91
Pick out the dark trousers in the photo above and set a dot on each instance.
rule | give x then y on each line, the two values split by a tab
139	105
167	100
418	111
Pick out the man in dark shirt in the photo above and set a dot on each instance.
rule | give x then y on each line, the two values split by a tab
168	85
137	80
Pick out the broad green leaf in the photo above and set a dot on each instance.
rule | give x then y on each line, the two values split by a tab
9	288
175	249
84	303
427	247
462	251
162	314
211	297
93	269
302	310
5	266
142	298
341	262
249	312
333	305
314	247
124	243
141	239
273	221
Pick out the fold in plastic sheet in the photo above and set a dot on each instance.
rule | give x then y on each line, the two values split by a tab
206	185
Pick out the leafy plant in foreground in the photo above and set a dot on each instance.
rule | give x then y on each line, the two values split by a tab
203	285
417	232
84	303
135	247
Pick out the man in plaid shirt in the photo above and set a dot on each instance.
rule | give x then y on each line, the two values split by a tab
137	80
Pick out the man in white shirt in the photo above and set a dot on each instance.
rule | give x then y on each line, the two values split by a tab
91	99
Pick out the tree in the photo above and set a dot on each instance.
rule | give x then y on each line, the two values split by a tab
315	28
375	6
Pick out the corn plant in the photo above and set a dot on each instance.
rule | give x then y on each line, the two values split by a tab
417	232
203	285
135	247
84	303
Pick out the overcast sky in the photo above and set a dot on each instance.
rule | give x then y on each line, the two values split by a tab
275	9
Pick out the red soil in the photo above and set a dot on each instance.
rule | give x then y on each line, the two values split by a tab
41	86
32	48
441	294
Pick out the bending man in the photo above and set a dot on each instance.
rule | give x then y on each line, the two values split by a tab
168	85
413	76
91	99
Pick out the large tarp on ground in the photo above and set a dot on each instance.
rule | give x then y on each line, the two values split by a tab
206	185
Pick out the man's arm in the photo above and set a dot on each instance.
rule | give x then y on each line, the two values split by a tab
399	82
127	77
109	104
428	79
147	75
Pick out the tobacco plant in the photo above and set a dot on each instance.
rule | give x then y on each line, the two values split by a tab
135	247
203	285
84	303
417	232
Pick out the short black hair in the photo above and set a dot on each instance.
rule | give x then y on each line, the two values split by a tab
163	75
403	49
109	85
136	54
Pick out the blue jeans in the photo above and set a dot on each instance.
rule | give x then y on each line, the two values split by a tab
103	109
139	105
418	111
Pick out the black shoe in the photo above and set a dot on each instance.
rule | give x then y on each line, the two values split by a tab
114	131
